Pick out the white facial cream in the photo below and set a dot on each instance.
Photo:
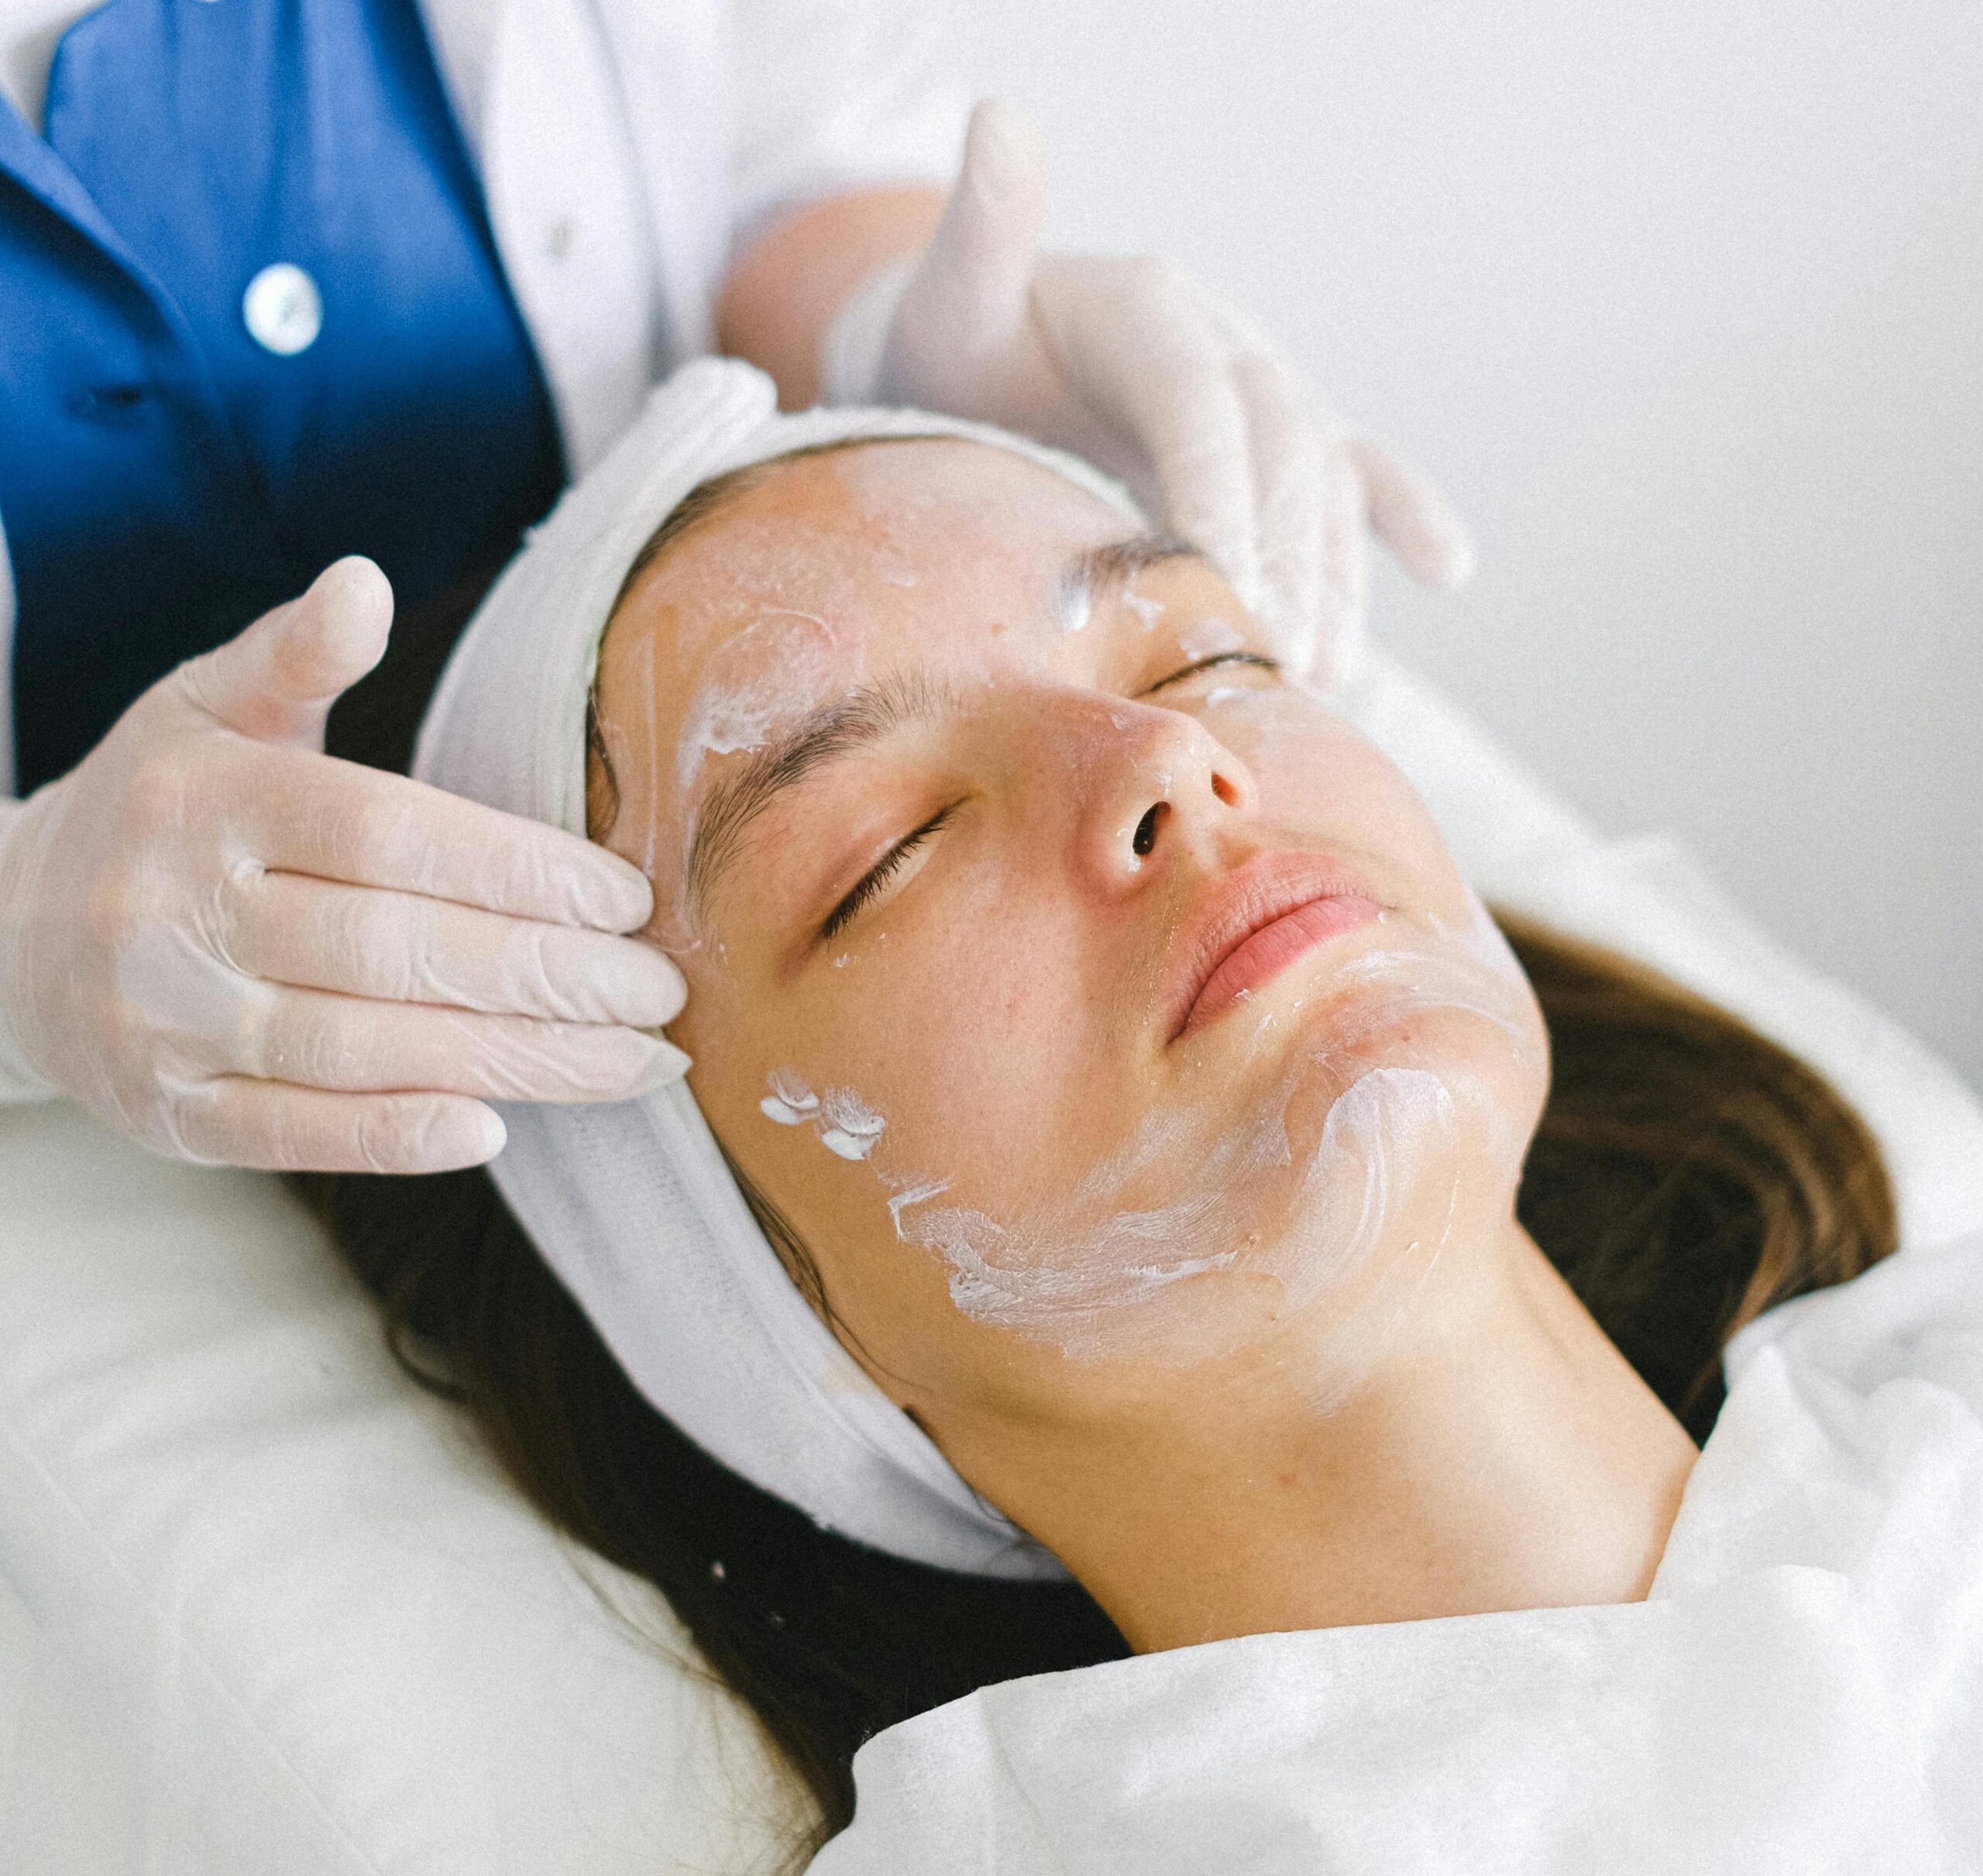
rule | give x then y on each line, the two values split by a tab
845	1123
1348	1164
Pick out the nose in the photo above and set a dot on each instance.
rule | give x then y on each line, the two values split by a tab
1158	785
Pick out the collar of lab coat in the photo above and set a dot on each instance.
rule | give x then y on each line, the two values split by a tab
601	130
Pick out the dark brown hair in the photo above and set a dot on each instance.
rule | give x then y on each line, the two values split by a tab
1687	1174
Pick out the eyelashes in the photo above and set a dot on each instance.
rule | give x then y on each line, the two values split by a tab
882	872
1258	660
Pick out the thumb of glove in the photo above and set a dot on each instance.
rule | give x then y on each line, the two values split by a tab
276	681
968	297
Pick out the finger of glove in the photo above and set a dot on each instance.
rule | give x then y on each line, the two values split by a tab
303	812
1412	515
275	681
356	1045
1345	590
234	1121
1294	437
1136	348
969	295
287	928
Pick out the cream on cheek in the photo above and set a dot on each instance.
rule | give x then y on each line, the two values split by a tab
1351	1154
908	1007
1345	1160
845	1126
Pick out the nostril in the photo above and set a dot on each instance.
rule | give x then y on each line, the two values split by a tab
1144	840
1225	790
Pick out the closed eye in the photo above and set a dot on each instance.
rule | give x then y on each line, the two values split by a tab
881	873
1259	660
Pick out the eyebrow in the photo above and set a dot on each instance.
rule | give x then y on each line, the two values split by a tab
1101	572
855	721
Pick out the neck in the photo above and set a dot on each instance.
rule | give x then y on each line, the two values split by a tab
1499	1454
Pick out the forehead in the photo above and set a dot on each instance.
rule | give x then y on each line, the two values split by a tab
859	554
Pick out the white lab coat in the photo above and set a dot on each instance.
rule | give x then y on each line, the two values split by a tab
626	146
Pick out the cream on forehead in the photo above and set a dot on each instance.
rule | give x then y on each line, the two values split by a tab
781	664
1003	492
775	603
883	515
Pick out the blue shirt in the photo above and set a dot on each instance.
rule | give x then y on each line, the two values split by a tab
183	444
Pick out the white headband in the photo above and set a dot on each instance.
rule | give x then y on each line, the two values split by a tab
631	1204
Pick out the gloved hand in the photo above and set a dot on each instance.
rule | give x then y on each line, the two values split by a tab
235	948
1130	364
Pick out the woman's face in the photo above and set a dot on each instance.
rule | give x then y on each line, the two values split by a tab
1091	999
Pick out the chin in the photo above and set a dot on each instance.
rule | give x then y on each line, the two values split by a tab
1383	1009
1483	1063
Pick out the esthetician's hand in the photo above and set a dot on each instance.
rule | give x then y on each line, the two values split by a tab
235	948
1132	365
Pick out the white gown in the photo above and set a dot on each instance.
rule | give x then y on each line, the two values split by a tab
1802	1693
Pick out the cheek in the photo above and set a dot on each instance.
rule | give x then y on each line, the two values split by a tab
963	1039
1316	773
964	1022
1290	743
862	1101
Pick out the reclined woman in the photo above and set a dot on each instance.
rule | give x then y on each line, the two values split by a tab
1129	1194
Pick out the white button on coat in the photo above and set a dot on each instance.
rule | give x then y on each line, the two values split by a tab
282	310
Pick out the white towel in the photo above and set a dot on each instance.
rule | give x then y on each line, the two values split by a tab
631	1204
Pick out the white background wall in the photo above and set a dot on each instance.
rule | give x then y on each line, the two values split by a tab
1683	303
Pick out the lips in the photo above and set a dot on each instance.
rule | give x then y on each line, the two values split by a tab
1249	924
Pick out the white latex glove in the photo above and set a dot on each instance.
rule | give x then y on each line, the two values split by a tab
235	948
1130	364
